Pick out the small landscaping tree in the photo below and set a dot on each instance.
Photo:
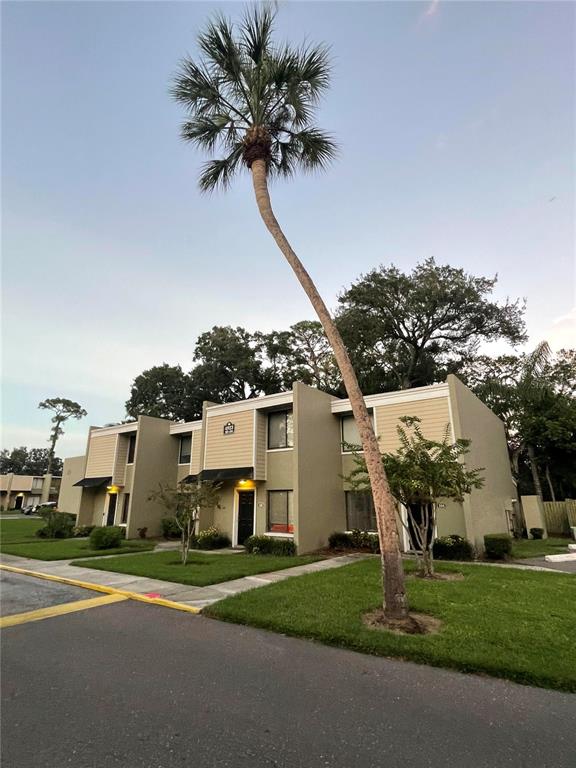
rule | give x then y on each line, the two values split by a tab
420	473
183	502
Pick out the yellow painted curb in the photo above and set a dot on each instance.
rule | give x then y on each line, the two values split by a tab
58	610
100	588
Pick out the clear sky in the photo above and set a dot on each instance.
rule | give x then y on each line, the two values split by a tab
456	126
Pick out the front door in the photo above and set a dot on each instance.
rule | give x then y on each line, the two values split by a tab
18	502
111	509
245	515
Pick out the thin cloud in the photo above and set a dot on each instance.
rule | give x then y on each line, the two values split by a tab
431	10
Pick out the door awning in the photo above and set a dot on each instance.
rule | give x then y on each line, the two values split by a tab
219	475
93	482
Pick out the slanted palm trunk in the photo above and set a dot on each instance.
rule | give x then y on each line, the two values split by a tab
395	601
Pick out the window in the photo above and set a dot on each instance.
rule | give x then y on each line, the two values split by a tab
280	430
37	483
280	512
350	434
360	512
131	449
125	505
185	449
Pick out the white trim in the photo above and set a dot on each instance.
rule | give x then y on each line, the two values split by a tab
279	450
205	436
254	441
266	401
187	426
279	535
115	463
402	396
119	429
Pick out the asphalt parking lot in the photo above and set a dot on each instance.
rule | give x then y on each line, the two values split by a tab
21	593
138	685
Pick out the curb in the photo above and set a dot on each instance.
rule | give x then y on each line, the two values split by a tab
99	588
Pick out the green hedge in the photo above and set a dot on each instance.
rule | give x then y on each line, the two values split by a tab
498	546
170	528
270	545
537	533
356	539
211	538
58	525
108	537
452	547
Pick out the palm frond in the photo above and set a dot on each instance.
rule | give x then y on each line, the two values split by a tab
242	82
218	174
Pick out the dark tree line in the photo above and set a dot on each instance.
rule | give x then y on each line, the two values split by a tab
402	330
28	461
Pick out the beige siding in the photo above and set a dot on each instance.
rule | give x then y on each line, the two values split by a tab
101	453
182	472
196	458
434	414
22	483
228	451
119	474
261	441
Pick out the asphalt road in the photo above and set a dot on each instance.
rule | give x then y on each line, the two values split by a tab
19	594
138	685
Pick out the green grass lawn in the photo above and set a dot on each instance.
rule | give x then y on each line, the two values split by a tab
17	538
19	530
201	570
522	548
502	622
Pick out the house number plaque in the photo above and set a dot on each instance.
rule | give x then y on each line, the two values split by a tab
228	428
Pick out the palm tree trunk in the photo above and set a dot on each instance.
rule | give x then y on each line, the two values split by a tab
534	470
395	600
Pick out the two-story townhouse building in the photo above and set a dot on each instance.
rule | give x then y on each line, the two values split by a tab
281	460
20	491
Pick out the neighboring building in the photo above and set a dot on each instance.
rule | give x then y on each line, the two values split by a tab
19	491
281	460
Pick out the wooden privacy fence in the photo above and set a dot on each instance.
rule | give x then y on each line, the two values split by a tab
560	516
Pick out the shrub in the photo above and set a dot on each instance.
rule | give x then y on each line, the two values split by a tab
340	540
141	532
58	525
356	539
498	546
211	538
108	537
170	528
80	531
452	547
270	545
537	533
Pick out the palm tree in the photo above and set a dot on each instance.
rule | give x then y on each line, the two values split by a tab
516	396
253	102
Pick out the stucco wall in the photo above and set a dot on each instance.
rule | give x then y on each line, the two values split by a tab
156	461
70	498
484	509
318	497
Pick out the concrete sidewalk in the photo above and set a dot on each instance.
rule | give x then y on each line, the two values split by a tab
196	597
